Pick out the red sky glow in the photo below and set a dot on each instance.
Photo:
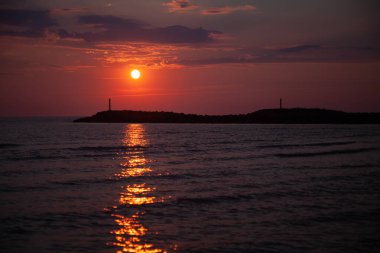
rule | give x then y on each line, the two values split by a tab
205	57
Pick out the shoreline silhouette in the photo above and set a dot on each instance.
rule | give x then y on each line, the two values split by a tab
264	116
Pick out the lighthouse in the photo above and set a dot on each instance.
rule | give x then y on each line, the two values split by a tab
109	104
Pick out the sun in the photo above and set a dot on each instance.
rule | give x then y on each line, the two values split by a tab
135	74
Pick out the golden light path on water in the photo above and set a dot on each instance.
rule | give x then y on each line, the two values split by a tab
130	234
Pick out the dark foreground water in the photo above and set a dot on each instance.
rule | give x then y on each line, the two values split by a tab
68	187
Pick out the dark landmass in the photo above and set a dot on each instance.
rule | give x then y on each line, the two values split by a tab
265	116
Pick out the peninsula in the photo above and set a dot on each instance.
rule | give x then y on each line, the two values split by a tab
265	116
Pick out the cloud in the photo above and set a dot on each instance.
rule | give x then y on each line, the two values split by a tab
180	6
122	29
73	68
302	53
25	23
64	11
300	48
36	19
147	55
227	10
110	22
185	5
100	28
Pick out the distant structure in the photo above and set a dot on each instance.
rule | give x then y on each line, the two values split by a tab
109	104
280	103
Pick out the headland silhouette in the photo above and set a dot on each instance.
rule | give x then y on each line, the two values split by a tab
264	116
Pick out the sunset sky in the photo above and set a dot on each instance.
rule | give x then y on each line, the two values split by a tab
207	57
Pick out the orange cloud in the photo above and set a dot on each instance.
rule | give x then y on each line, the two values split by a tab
227	10
64	11
180	6
147	55
73	68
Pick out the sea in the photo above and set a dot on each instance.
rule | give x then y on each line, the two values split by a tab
99	187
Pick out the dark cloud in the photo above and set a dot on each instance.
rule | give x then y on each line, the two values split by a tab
303	53
64	11
27	33
110	22
181	34
122	29
25	23
299	48
32	19
39	23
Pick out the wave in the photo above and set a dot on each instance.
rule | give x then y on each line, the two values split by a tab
159	177
179	176
25	188
354	166
344	216
326	144
93	181
332	152
319	144
106	148
57	184
84	152
9	145
35	157
96	155
54	157
212	199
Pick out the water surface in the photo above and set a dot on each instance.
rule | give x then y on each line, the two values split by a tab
68	187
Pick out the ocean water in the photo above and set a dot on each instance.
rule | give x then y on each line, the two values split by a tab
77	187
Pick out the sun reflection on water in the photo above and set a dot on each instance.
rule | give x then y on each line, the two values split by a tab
130	234
136	195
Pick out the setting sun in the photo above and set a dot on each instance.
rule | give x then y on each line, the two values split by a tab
135	74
